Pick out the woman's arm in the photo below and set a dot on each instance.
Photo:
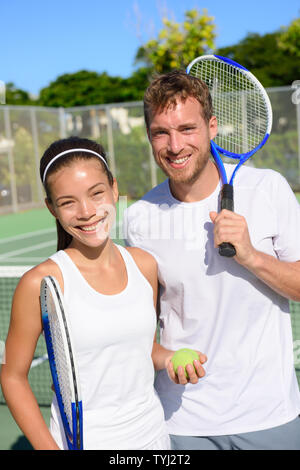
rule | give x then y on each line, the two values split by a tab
24	331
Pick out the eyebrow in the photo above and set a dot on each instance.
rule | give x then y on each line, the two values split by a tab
180	127
71	196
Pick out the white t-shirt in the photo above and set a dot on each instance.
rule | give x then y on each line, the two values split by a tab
213	304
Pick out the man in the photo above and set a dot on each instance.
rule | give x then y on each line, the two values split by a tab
235	310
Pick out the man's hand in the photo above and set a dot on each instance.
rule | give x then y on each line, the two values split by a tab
231	227
194	373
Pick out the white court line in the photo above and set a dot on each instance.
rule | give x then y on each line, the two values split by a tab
27	249
11	254
27	235
25	261
36	233
39	360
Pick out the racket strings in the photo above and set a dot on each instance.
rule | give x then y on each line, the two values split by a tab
61	361
238	104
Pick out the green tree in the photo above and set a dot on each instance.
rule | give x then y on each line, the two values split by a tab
272	57
289	40
87	88
179	43
17	96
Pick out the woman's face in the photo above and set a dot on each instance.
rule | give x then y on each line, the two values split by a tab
83	201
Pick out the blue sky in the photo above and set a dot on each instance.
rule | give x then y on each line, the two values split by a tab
42	39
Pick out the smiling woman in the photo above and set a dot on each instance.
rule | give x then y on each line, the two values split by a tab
83	201
112	327
60	156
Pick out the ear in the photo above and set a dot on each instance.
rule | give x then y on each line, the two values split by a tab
213	127
50	207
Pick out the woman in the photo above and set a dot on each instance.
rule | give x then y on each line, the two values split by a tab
110	293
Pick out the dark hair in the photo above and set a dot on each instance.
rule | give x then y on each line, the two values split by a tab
59	146
167	88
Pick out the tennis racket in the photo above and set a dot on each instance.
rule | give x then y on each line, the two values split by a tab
244	116
62	361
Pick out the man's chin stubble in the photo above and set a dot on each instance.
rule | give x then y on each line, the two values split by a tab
181	178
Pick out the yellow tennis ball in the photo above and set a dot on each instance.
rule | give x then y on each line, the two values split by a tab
183	357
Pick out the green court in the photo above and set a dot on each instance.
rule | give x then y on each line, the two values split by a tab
28	238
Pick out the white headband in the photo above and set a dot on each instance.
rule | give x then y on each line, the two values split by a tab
70	151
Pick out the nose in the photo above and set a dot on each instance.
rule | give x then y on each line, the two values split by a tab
86	209
175	143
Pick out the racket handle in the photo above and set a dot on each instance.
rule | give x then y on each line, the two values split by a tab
227	249
227	197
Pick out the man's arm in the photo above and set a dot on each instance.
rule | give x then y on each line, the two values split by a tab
282	276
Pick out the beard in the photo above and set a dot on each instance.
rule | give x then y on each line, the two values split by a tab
187	175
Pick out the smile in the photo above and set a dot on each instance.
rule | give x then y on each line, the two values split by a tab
178	162
92	228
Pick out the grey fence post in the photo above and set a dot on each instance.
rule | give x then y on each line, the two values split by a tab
110	141
153	168
36	151
62	123
13	185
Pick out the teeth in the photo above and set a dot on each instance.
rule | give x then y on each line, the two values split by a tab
89	229
92	227
180	160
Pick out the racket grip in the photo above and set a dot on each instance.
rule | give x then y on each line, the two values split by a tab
227	249
227	197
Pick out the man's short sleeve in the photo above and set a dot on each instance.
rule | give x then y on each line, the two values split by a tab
287	241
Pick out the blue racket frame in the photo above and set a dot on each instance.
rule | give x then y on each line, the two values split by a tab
215	147
71	435
226	249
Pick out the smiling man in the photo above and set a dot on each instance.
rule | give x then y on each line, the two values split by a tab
180	128
236	310
181	140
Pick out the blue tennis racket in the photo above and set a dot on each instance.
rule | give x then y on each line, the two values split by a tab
62	361
244	116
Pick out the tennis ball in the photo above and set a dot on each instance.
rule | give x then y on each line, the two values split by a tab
182	357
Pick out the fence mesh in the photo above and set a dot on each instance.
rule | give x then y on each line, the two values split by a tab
25	132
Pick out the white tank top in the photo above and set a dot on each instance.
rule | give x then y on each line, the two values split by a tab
113	338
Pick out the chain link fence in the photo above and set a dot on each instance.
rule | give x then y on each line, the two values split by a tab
25	132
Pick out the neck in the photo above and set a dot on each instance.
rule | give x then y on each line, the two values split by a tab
83	254
199	189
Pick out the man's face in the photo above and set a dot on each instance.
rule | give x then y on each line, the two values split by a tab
180	139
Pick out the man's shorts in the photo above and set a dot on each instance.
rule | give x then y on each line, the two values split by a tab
284	437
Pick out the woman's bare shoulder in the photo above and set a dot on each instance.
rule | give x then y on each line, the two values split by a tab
33	277
142	257
145	262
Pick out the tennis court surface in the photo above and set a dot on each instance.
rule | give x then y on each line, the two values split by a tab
26	239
